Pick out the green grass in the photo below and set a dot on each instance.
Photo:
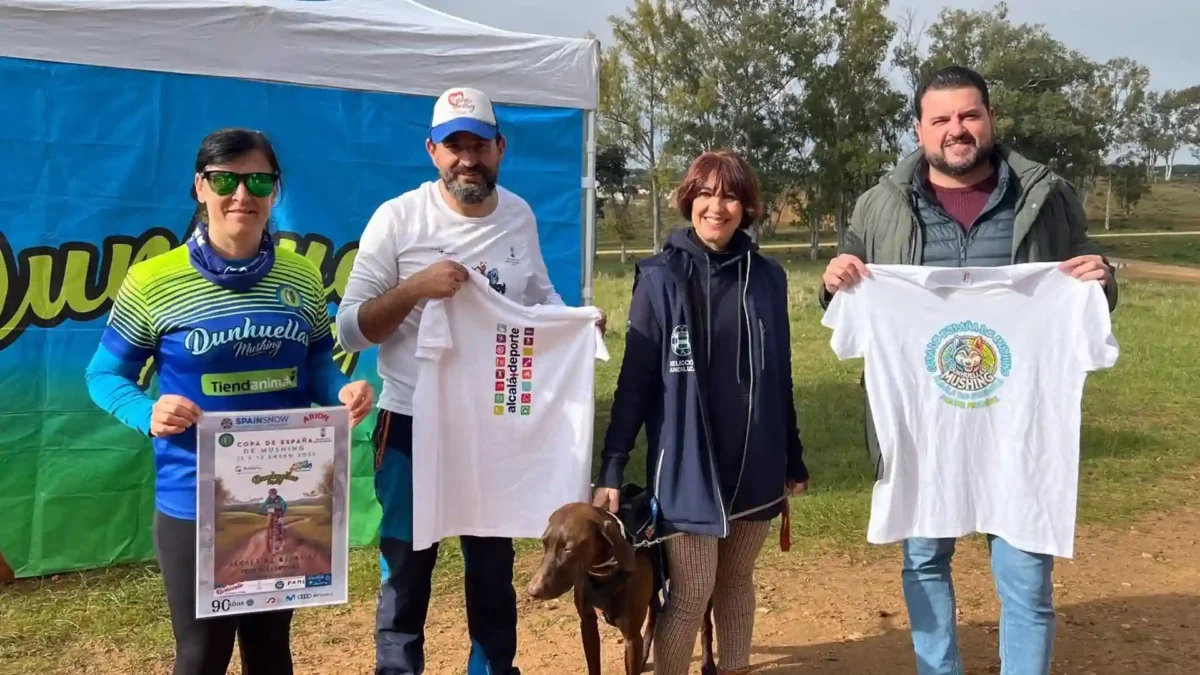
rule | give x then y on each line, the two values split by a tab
1139	435
314	529
1173	206
642	237
1168	206
1174	250
1135	431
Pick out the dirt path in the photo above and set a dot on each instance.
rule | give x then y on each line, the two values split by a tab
1139	269
1129	604
306	559
826	244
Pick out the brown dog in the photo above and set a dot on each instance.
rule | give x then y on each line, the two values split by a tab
585	548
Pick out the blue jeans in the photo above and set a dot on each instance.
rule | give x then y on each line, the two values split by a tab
1026	608
407	575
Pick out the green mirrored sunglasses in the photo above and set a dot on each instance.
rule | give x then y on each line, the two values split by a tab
226	182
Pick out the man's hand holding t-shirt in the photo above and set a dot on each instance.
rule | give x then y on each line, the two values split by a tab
846	270
975	377
418	249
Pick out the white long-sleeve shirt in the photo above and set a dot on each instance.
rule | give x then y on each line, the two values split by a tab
417	229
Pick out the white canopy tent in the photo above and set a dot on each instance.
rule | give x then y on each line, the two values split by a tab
103	103
374	45
398	46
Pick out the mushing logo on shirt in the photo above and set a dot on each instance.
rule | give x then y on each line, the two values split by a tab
514	370
681	345
249	338
970	363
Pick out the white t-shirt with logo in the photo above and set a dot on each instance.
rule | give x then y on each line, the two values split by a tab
975	378
417	229
502	415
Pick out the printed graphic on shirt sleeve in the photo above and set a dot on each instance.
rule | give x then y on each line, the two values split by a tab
493	277
970	363
514	370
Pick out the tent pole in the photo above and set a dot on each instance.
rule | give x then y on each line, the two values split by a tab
589	208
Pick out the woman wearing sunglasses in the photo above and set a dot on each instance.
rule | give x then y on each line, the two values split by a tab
228	308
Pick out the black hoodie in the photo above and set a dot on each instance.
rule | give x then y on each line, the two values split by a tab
707	369
721	286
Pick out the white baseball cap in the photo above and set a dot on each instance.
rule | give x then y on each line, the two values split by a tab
463	109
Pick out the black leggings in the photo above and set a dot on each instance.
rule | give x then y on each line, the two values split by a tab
205	646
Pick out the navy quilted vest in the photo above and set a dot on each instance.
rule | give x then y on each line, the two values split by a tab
988	243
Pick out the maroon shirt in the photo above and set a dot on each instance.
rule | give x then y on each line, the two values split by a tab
965	204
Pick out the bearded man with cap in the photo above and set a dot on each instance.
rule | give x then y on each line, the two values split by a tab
418	246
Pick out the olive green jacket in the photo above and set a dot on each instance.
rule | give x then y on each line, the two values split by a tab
1049	226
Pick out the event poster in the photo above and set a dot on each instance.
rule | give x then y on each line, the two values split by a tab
271	507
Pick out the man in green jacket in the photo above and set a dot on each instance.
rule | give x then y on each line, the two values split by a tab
964	201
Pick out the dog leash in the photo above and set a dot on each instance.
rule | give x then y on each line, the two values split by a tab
785	528
641	544
620	524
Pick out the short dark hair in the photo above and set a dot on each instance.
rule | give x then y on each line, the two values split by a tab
952	77
733	173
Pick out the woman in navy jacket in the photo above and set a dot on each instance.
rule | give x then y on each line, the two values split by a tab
708	370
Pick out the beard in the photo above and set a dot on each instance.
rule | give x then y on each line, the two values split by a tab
469	193
976	157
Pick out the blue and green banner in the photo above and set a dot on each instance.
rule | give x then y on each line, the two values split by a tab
97	167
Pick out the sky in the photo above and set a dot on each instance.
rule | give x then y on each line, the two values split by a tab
1155	34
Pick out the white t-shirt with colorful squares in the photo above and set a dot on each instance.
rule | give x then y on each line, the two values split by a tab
975	378
502	414
417	229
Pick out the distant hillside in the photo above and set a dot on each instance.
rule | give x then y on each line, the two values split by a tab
1173	205
1180	170
1167	206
